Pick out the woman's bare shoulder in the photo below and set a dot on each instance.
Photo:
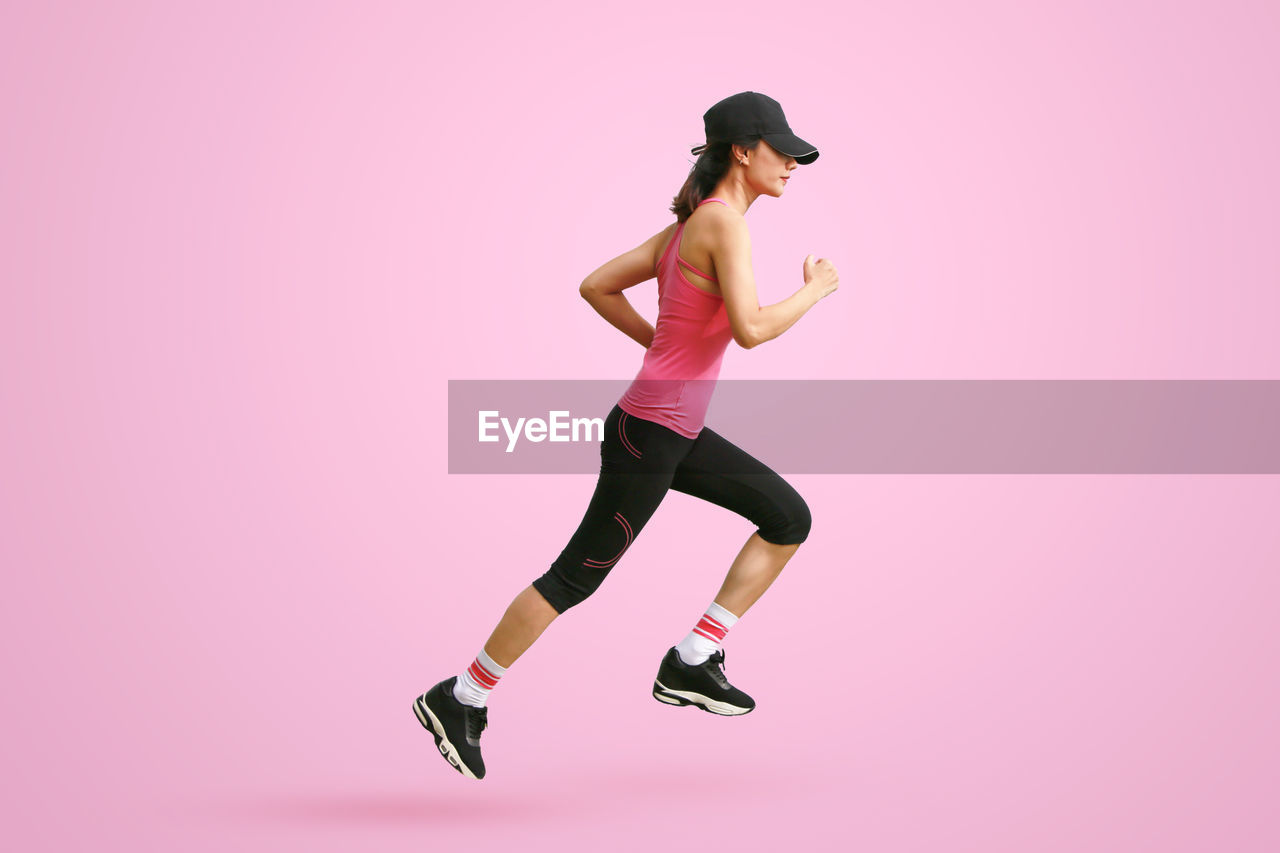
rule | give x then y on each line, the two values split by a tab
658	243
716	224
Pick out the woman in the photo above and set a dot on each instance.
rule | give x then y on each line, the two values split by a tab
654	438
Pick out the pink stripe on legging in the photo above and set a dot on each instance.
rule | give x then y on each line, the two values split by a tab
622	435
626	527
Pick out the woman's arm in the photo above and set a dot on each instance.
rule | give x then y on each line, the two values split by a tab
603	288
752	324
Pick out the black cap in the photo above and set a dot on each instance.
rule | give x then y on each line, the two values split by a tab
749	114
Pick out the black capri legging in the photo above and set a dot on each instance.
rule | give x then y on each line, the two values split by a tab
640	461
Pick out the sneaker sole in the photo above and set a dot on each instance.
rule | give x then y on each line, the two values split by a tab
687	697
447	750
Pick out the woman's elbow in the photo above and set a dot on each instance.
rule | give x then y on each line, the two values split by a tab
587	290
745	337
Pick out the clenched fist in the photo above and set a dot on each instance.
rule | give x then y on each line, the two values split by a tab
821	273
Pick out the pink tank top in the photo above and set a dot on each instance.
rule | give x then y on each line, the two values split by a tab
680	368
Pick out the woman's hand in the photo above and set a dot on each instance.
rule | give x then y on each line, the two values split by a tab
821	275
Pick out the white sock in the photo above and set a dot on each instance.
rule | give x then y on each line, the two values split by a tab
707	636
474	685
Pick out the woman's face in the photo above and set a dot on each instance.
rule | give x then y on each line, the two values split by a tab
767	169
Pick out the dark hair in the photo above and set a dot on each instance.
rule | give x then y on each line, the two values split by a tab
708	170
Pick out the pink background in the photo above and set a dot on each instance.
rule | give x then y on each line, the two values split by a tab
246	244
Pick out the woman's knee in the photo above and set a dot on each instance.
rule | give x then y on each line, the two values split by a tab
790	525
564	589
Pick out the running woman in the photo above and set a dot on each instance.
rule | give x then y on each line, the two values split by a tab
654	437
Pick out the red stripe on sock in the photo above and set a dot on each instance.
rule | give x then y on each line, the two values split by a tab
711	627
714	622
485	679
702	633
486	671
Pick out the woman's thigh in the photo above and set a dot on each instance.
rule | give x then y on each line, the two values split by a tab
638	460
719	471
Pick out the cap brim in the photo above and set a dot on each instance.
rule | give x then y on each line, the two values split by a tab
793	146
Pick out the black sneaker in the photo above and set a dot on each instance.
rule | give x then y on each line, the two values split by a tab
456	727
701	684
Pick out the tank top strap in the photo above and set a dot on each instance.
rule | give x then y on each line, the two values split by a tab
673	246
678	241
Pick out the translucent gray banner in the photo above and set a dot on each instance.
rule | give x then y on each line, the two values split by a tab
815	426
